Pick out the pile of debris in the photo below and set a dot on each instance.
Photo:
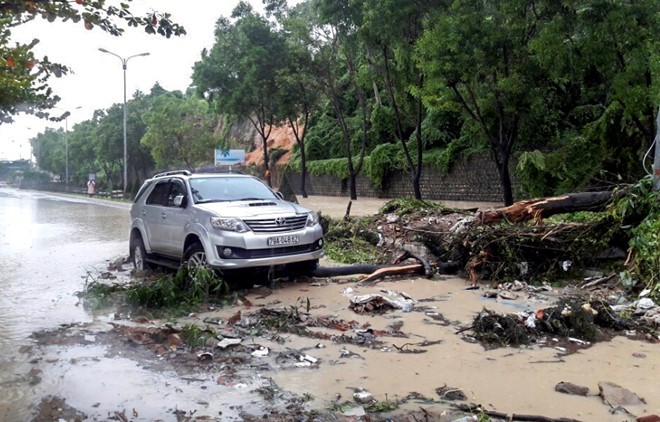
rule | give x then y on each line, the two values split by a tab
579	320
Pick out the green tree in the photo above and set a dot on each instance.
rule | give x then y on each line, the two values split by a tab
298	87
180	131
339	67
108	145
604	57
141	161
24	77
476	55
239	73
389	30
82	155
49	151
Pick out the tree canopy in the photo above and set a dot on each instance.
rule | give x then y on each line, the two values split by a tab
24	76
561	94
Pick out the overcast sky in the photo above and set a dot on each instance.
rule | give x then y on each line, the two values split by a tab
97	78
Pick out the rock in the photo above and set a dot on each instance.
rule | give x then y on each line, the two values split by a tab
504	294
572	389
649	418
226	342
450	393
363	397
645	304
174	341
615	395
355	412
392	218
261	352
490	293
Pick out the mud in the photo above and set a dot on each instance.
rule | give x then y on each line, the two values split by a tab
293	362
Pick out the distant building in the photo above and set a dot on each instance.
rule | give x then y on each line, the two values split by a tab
9	167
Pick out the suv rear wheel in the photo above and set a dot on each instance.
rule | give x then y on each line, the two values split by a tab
195	257
139	254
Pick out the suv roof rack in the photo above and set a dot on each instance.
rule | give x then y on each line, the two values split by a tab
173	172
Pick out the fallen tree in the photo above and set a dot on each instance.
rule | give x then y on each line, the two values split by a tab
613	230
540	208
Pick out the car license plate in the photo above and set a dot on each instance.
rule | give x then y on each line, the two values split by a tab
283	240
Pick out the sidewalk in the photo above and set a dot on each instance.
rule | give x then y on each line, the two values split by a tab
335	206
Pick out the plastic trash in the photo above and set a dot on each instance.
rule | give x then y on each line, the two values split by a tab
226	342
261	352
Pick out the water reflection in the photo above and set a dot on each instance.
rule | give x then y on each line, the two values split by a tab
47	246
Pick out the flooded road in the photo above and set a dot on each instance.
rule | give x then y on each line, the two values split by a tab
50	244
47	246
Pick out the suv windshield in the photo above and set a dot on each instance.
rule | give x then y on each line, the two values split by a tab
216	189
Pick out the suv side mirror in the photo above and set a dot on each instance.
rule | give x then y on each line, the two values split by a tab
279	195
179	201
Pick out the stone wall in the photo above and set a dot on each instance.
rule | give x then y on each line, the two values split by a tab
471	179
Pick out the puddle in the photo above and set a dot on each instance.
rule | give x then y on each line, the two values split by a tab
99	386
519	380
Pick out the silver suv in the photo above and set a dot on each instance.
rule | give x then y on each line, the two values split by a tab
223	221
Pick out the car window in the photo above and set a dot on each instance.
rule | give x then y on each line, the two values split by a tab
176	188
217	189
158	196
142	190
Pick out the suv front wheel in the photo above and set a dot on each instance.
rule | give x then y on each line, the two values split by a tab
139	254
195	257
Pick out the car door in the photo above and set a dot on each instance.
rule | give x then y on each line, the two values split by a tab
154	207
175	219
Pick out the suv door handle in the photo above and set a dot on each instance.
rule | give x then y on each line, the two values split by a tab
163	214
144	212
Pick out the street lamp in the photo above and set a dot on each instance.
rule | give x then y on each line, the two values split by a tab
66	146
123	65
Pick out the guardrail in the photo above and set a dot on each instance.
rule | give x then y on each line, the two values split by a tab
61	188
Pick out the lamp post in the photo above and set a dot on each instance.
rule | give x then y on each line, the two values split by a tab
66	146
124	61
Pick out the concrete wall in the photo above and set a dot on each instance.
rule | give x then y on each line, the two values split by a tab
472	179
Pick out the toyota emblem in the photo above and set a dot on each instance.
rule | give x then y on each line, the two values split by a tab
280	221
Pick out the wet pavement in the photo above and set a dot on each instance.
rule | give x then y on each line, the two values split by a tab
50	246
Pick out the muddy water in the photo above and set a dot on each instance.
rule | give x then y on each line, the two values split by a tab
519	380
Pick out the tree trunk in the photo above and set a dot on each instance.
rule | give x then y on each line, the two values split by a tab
416	185
266	164
502	163
303	173
352	187
540	208
417	173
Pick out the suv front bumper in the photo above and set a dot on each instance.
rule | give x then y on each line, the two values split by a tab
242	250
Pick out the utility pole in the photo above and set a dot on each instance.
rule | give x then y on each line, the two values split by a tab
656	162
124	61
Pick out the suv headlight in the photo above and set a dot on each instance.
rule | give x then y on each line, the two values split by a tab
312	219
230	224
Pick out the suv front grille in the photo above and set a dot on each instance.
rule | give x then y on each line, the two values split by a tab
277	225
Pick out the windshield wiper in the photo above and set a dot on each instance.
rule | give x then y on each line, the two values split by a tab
206	201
